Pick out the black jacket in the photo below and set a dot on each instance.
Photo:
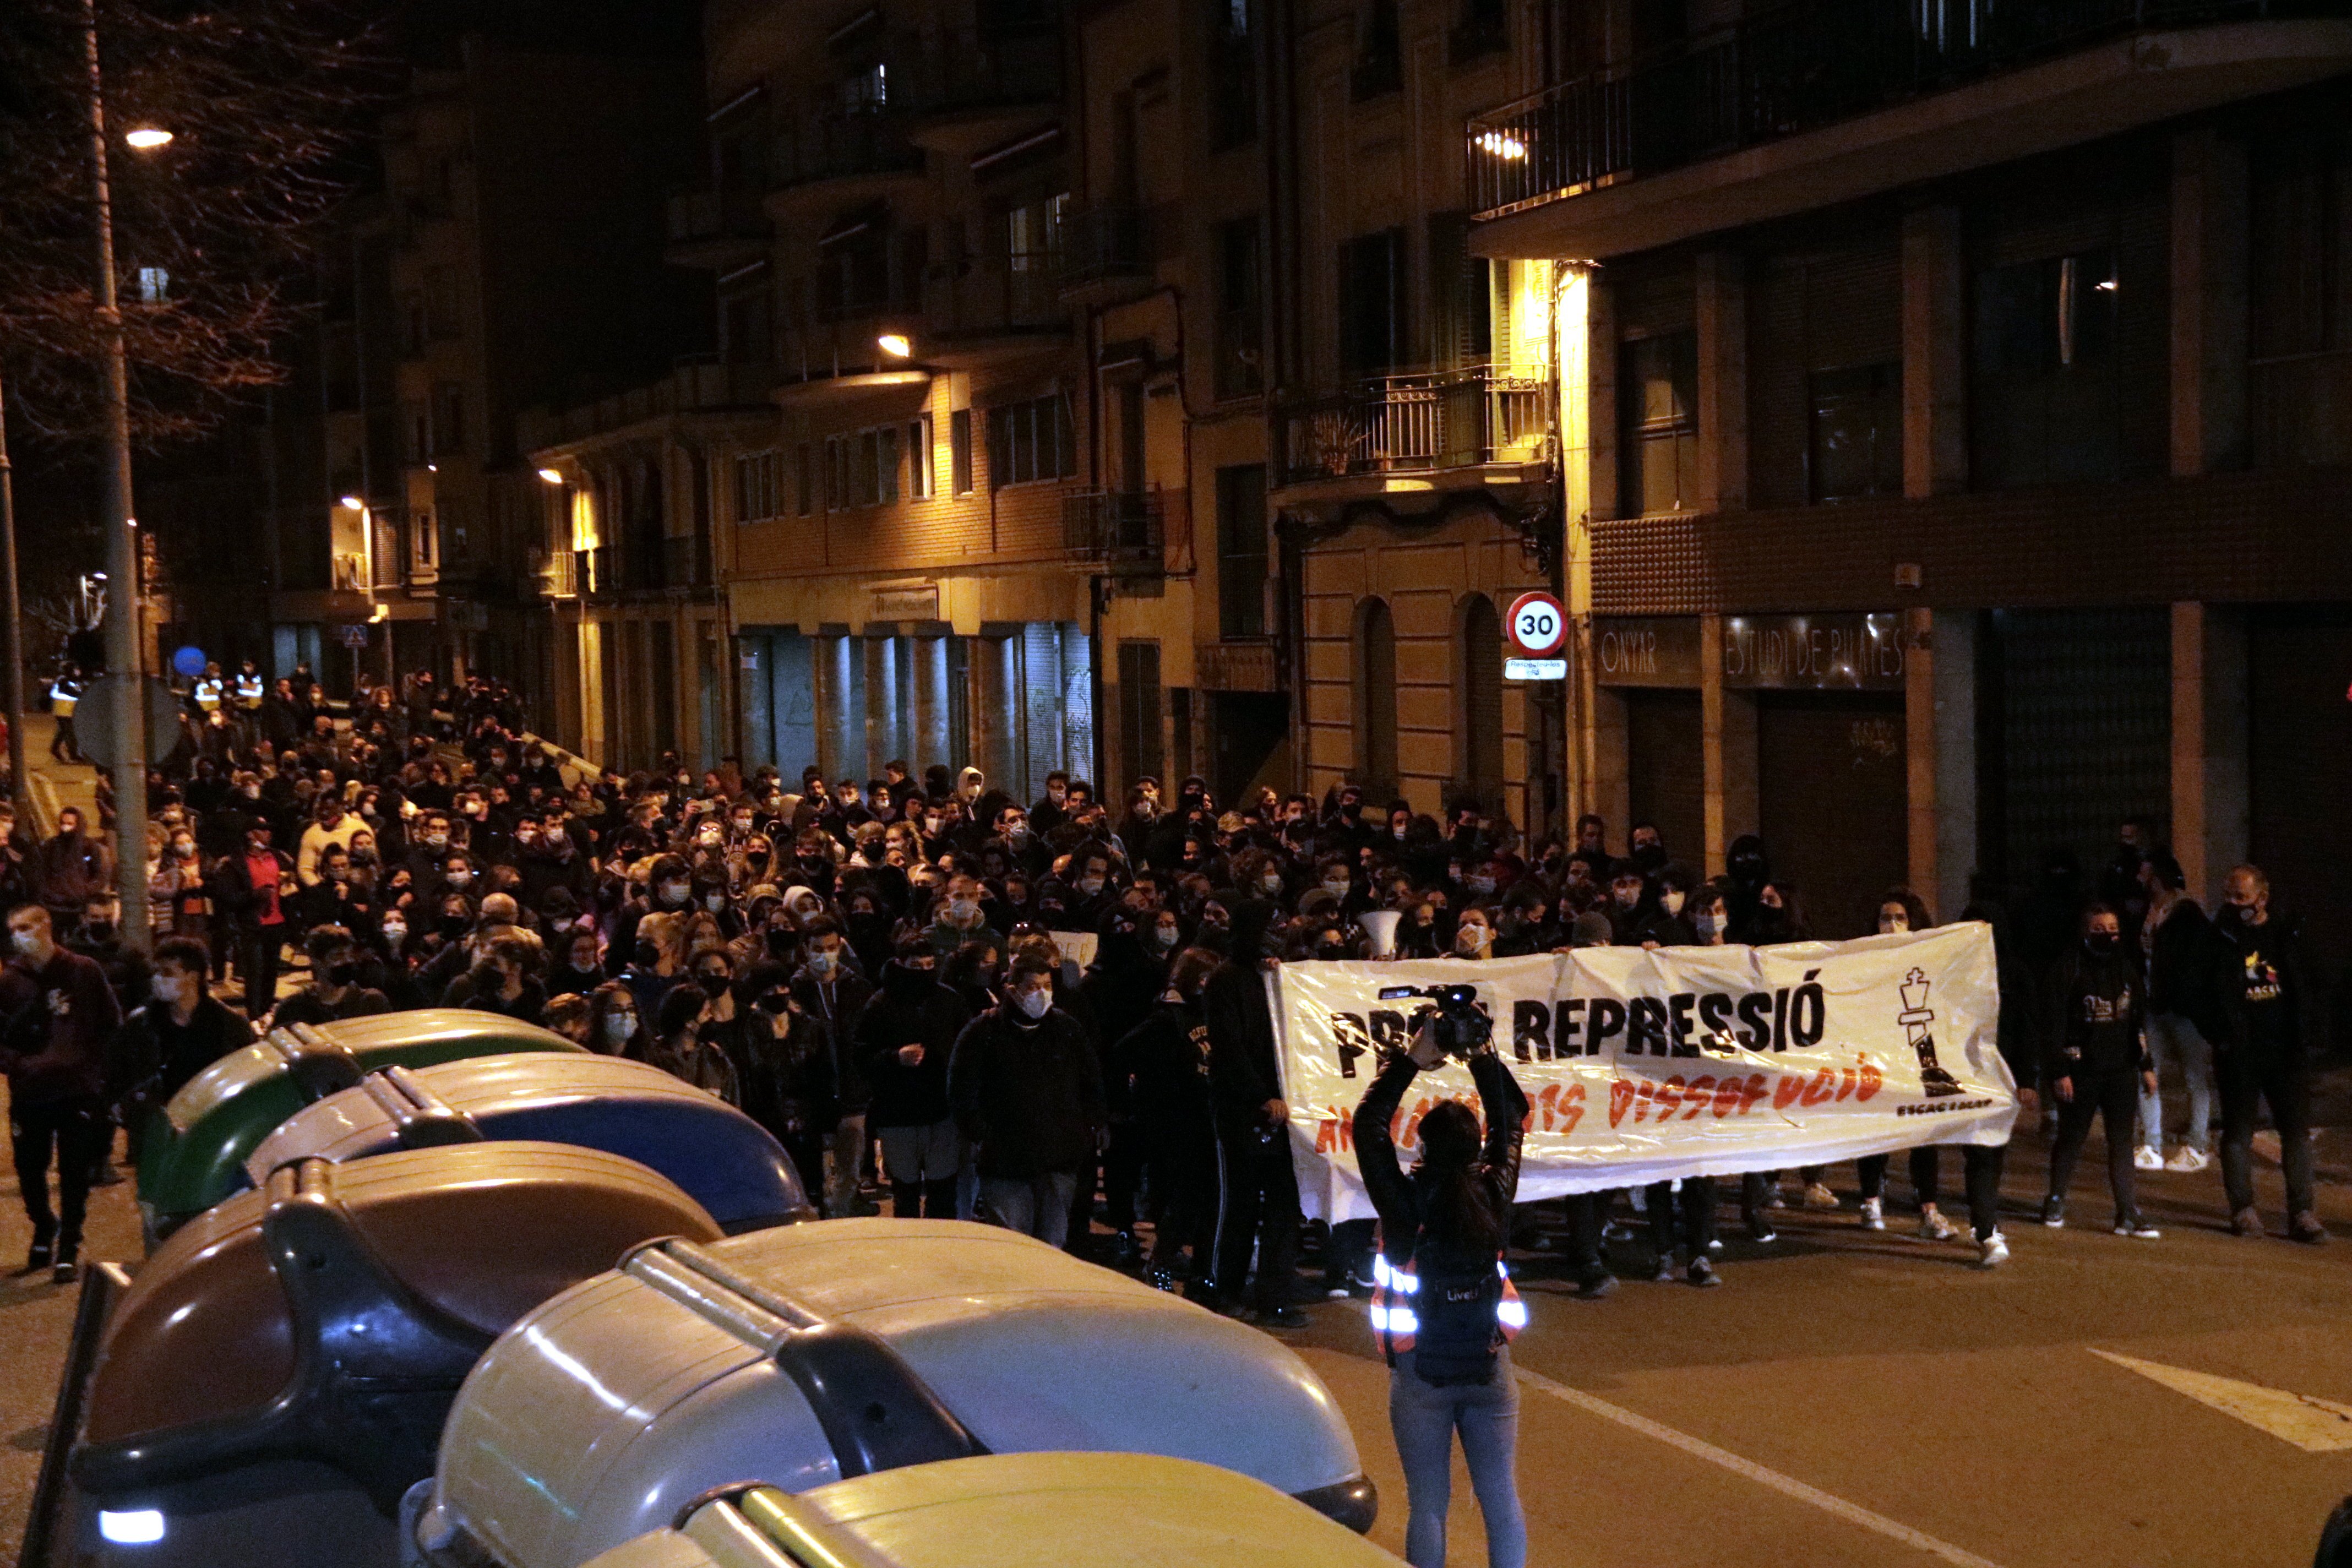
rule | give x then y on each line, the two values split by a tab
154	1058
2265	1004
904	1013
1398	1198
840	1005
1245	1070
1028	1094
2097	1012
2186	965
1163	1064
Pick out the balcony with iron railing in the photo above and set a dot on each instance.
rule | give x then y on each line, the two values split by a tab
1123	532
1420	423
686	560
559	574
843	157
1104	244
716	228
979	72
1926	68
596	571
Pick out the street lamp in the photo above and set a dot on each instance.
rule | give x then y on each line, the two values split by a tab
147	138
550	476
353	503
896	345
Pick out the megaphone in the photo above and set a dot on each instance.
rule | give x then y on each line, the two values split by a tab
1381	926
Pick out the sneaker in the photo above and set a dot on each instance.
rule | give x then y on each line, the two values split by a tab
2185	1158
107	1176
2307	1229
1715	1246
1760	1229
2053	1212
1777	1201
1335	1292
1873	1214
1819	1196
41	1253
1281	1318
1703	1275
1596	1287
1934	1226
66	1269
2146	1158
1159	1277
2131	1224
2247	1221
1664	1273
1992	1251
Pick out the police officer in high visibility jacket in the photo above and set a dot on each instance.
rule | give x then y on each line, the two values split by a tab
65	693
1443	1304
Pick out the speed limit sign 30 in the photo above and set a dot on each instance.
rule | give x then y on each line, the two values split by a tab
1539	625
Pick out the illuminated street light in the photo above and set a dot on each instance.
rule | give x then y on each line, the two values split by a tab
353	503
550	476
147	138
895	344
1506	147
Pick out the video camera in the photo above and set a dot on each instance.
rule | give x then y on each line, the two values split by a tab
1462	1028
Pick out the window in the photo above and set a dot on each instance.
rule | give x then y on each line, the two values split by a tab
922	459
1372	303
423	540
1855	445
1657	395
1376	736
1241	552
804	474
1380	51
1139	710
836	473
868	476
2043	404
1479	762
1241	370
417	427
747	333
1030	440
155	285
759	486
448	418
960	451
1233	73
2299	367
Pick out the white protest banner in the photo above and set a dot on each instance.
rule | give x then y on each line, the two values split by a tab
1646	1064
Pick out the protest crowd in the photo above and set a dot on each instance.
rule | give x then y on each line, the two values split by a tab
893	975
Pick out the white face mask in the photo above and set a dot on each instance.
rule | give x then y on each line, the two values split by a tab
819	964
963	909
1671	900
619	1026
168	987
1336	885
1707	924
1035	1002
1271	881
394	932
1470	938
674	892
1090	886
1887	925
460	877
714	902
1398	830
1164	936
26	941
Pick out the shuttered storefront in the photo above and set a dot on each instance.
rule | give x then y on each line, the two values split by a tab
2299	762
1664	771
1831	794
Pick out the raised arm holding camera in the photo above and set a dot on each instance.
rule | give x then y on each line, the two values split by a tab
1446	1309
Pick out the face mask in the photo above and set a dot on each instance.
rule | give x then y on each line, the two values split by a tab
436	840
1056	795
1481	884
1090	886
26	941
342	974
168	987
1034	1004
1707	926
1672	900
709	838
1336	885
394	932
1888	925
1164	937
742	825
251	791
1397	832
1626	896
619	1026
97	931
963	909
1469	938
1271	881
673	893
525	837
2103	943
714	902
820	964
452	925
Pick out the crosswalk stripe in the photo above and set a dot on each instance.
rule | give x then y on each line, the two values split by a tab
2315	1425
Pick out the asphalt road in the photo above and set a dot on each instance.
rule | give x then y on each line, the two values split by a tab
1845	1399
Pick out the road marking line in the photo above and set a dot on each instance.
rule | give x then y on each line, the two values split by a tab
2315	1425
1852	1513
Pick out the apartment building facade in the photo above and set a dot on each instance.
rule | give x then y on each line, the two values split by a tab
1964	461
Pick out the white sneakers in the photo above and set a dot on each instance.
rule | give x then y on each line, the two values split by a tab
1819	1196
1873	1214
2185	1158
1992	1251
2145	1158
1934	1226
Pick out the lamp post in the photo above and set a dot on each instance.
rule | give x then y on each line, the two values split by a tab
124	611
15	629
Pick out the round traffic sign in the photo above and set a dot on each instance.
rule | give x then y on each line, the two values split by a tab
1537	625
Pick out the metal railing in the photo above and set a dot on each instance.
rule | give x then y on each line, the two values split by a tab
1790	69
1123	530
703	215
596	571
559	576
1404	424
1105	240
843	146
686	560
960	69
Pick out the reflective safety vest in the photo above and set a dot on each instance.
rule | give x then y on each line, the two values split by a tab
248	690
62	697
1400	1304
208	695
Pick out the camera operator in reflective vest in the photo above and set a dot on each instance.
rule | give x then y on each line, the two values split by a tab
1443	1305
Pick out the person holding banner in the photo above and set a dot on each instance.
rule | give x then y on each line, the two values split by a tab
1445	1309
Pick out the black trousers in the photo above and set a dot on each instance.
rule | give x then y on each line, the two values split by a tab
1259	1207
924	1200
2245	1077
1183	1190
256	965
1587	1258
1120	1174
78	1131
2114	1099
1698	1216
1980	1176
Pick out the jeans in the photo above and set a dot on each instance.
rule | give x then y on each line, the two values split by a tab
2171	1037
1424	1420
2114	1098
80	1130
2246	1076
1034	1206
841	1177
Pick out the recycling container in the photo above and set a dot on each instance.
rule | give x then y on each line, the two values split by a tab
1009	1510
722	1158
809	1353
277	1375
196	1145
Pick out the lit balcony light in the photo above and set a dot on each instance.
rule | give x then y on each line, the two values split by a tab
896	345
147	138
2108	285
353	503
551	476
1498	144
